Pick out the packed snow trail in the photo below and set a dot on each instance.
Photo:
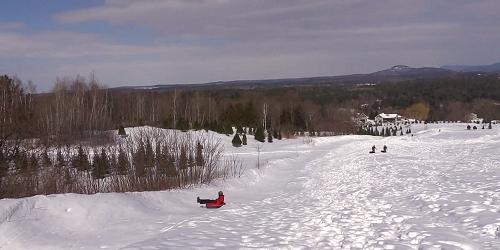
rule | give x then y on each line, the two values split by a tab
436	190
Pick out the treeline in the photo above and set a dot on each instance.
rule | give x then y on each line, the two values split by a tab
66	142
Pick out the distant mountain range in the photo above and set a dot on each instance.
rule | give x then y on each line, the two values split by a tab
394	74
491	68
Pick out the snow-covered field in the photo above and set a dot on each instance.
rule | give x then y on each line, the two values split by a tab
438	189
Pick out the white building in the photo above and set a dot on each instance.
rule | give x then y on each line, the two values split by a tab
387	118
474	119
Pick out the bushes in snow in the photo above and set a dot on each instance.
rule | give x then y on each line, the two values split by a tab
150	159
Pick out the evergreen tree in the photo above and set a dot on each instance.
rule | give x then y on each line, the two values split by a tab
4	169
149	154
489	126
279	135
61	162
394	132
259	134
409	130
269	138
46	161
275	134
183	159
387	132
121	131
168	163
239	130
123	164
21	163
228	129
139	159
199	155
95	166
158	155
197	125
236	140
100	165
182	124
401	132
244	139
80	160
33	163
191	162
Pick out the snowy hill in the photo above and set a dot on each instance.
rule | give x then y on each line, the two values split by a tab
438	189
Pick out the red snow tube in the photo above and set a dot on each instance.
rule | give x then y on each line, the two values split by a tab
219	202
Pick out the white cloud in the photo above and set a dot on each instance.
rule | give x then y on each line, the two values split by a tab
208	40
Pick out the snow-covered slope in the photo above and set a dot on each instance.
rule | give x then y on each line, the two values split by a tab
438	189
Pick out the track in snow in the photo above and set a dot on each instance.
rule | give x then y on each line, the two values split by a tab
436	190
423	194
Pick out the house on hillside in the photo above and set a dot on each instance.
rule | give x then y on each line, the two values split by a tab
472	118
387	118
360	118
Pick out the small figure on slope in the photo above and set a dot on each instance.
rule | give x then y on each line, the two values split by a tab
373	149
384	150
217	203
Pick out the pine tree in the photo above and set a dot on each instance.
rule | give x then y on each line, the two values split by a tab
401	132
191	162
171	171
489	126
236	140
269	138
199	155
80	160
168	163
61	162
244	139
4	169
123	164
387	132
183	159
360	130
149	153
121	131
279	135
394	132
259	134
239	129
139	159
46	161
33	163
275	134
100	165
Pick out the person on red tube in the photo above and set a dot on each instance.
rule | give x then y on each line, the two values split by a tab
219	202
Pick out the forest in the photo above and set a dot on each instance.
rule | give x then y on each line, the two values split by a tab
66	140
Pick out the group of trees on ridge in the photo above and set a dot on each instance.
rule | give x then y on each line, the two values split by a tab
81	112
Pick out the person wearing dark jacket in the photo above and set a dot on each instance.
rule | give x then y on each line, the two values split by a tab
219	202
384	150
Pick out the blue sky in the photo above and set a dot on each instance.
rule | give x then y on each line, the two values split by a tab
136	42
